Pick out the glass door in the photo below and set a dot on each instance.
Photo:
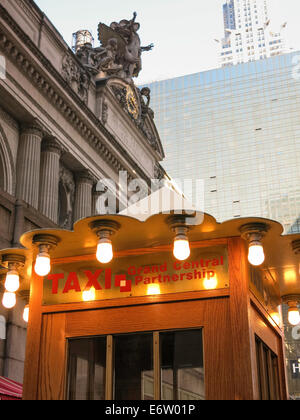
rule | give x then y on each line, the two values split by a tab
144	366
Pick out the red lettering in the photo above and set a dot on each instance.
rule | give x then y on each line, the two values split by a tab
175	277
138	280
177	265
186	266
93	280
164	268
108	279
122	282
132	271
189	276
72	283
55	279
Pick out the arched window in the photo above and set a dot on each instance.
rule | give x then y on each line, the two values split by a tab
2	328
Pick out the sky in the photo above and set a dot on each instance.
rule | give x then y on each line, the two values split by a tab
183	31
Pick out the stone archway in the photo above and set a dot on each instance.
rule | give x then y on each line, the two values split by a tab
7	175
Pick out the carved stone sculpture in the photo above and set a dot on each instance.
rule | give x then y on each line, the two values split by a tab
129	51
101	59
76	77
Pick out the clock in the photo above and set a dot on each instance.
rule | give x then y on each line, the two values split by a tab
132	103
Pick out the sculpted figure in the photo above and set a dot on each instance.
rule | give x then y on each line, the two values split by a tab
129	51
105	60
101	58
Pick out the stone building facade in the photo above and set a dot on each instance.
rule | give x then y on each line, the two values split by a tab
63	128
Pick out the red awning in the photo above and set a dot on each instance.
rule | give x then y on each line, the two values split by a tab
10	390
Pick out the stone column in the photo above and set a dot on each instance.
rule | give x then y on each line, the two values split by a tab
83	195
49	179
95	196
28	164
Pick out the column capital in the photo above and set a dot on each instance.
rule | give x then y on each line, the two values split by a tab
52	145
34	127
85	177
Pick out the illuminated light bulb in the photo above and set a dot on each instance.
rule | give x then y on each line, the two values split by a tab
104	251
42	265
26	313
294	316
12	282
89	295
210	284
153	289
9	300
256	254
182	249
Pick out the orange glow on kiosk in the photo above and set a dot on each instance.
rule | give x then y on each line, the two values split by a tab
113	301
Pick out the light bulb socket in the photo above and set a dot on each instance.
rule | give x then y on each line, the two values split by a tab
13	261
177	223
104	238
45	243
291	300
255	242
253	233
181	233
104	229
43	253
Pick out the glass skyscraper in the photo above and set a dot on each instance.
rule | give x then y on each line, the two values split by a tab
238	129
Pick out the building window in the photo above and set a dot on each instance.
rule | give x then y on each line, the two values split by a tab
178	373
267	372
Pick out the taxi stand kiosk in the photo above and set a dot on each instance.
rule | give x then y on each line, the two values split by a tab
158	310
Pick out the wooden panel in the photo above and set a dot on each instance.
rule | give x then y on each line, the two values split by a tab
271	337
260	327
213	315
240	323
31	371
143	300
53	358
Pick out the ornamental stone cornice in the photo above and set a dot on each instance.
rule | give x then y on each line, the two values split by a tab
49	89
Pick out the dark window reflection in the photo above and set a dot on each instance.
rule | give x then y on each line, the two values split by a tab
87	369
134	367
182	371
